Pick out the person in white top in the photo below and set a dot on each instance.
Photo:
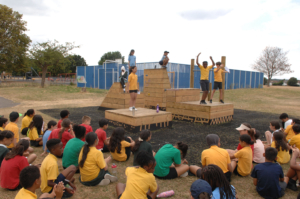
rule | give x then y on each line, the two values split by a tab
259	149
285	120
274	127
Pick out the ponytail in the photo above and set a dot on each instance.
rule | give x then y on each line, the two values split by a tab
144	135
90	139
65	125
29	112
251	132
22	146
37	122
280	141
132	51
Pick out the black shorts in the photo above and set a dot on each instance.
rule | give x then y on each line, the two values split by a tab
172	174
161	63
217	85
204	85
133	91
236	171
34	143
148	197
228	176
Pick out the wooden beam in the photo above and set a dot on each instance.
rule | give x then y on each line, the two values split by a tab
223	61
192	73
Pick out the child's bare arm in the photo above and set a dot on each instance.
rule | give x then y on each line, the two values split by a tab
213	63
197	60
293	163
255	181
51	183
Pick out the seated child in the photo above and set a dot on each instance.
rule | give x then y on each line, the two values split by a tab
30	179
6	138
50	127
93	167
103	141
119	145
244	156
30	157
86	122
73	148
274	126
289	130
140	182
3	123
281	145
200	189
259	149
64	134
166	156
26	121
268	177
285	120
64	114
294	171
142	144
50	173
218	182
296	139
35	131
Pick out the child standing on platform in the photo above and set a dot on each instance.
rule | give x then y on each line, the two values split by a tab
86	122
35	131
63	115
133	87
131	60
101	134
218	81
281	145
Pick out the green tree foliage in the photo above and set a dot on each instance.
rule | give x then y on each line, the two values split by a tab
13	41
280	83
110	56
292	81
75	60
50	55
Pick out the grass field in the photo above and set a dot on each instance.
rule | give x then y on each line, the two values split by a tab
273	100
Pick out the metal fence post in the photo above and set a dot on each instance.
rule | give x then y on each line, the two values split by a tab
177	75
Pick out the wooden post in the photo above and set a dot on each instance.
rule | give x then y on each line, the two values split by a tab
209	92
192	73
223	61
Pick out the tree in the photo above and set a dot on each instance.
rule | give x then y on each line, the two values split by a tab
265	81
75	60
292	81
111	56
50	55
13	41
272	61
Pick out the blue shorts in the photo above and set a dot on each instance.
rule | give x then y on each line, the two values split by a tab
60	178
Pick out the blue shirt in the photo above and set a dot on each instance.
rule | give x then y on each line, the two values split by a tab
216	193
45	139
162	59
132	60
268	175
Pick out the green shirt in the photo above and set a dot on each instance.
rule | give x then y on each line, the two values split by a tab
3	151
165	157
71	152
145	146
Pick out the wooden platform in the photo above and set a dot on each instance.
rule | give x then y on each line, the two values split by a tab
193	111
143	119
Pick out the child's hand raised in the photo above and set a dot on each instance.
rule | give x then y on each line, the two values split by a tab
184	161
59	190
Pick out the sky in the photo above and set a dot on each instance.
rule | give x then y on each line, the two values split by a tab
239	30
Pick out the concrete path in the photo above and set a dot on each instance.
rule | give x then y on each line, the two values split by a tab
5	103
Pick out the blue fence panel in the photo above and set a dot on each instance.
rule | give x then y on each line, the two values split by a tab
236	79
242	79
184	76
196	78
89	77
80	72
230	83
252	79
248	79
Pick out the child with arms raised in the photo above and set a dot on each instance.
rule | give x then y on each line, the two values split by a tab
86	122
64	114
103	141
35	131
6	138
140	182
281	145
50	127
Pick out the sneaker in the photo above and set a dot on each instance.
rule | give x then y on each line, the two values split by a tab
164	67
221	101
130	108
202	102
210	101
104	182
184	175
292	185
111	177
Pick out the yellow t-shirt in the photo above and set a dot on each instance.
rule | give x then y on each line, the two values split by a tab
282	156
25	194
132	79
204	72
49	171
138	183
245	160
217	156
33	134
218	75
13	127
295	140
289	132
93	164
25	122
121	156
1	129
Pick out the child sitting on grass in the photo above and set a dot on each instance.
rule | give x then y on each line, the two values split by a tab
119	145
296	139
64	114
3	123
93	167
289	130
6	138
259	149
26	121
244	156
86	122
35	131
103	141
142	144
280	144
140	182
200	189
268	177
50	127
294	171
274	127
50	173
64	134
285	120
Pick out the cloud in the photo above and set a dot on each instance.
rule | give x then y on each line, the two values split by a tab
204	14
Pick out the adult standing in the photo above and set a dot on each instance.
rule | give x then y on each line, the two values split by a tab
131	60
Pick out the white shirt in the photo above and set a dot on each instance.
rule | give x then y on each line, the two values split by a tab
3	145
258	152
289	122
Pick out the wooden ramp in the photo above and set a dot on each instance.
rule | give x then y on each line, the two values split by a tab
143	119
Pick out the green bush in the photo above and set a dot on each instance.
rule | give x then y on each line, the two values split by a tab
292	81
280	83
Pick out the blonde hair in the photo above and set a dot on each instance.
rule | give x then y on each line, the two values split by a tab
86	118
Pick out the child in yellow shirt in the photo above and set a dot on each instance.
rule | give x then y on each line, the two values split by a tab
35	131
281	145
295	140
3	123
133	87
289	130
26	121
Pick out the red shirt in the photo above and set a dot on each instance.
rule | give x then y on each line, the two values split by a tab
66	136
101	136
10	171
59	123
88	129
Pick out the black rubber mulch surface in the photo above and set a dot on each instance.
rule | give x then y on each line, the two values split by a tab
187	132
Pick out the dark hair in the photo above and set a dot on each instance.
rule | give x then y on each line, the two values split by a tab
103	122
183	148
246	138
131	69
29	175
13	116
90	140
115	140
6	134
52	143
296	121
250	132
18	149
218	63
275	124
79	131
64	125
29	112
204	62
280	141
25	143
50	124
3	121
296	128
271	153
257	134
144	158
204	195
37	122
131	52
64	113
144	135
283	116
216	178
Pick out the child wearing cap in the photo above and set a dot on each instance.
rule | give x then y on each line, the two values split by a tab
200	189
164	60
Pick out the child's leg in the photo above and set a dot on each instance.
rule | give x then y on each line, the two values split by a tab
69	172
134	99
41	143
233	164
131	99
165	62
153	194
268	135
221	93
120	188
31	158
182	169
212	93
30	149
195	170
204	95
